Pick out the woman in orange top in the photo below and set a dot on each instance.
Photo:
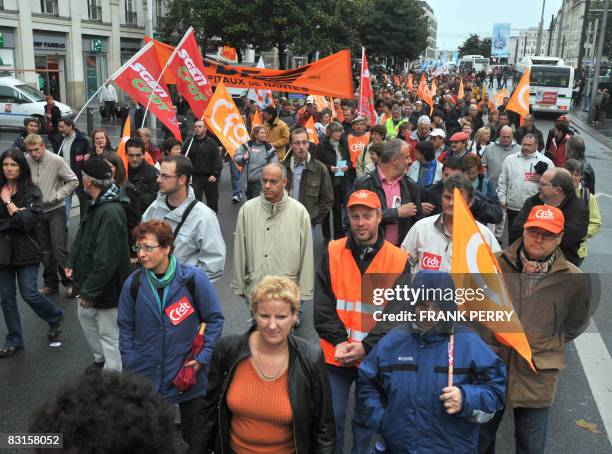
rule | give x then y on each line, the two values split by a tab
268	390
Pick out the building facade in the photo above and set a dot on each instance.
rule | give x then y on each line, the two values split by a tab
430	52
68	48
526	44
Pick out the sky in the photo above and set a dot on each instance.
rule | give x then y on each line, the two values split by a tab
457	19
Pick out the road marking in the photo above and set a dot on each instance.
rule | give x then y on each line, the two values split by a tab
603	194
597	364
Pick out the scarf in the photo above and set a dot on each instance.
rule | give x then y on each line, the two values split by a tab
162	282
535	266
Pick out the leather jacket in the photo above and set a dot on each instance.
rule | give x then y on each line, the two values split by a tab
309	394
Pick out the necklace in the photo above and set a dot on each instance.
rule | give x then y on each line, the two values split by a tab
264	375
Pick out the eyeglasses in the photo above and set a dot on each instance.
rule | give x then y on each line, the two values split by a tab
144	247
546	236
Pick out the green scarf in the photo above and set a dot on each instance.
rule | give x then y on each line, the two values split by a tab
163	282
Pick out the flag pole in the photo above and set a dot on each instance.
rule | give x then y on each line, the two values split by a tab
115	74
451	358
144	117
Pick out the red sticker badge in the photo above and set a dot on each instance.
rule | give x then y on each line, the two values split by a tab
179	311
431	261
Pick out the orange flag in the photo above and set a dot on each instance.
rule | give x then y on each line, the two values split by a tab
312	132
256	121
122	152
475	267
460	93
410	83
336	114
499	97
424	93
519	102
224	120
434	87
320	102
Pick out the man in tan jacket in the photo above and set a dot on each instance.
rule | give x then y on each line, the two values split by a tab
273	237
278	131
551	298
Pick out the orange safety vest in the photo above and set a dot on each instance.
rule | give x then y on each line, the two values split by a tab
356	145
357	315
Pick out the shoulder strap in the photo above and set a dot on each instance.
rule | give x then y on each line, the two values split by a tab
586	194
135	284
184	218
190	286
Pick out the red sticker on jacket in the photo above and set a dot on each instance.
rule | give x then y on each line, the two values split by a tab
431	261
532	177
179	311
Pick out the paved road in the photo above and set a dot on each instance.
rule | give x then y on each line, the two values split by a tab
30	377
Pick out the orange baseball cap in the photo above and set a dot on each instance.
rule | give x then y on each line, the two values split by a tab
365	198
546	217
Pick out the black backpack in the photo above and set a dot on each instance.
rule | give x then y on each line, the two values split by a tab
135	285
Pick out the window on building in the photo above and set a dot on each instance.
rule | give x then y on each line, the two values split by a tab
95	10
49	7
130	13
1	4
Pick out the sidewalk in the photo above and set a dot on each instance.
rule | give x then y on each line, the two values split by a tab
600	133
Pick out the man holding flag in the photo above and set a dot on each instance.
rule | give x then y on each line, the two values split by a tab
552	300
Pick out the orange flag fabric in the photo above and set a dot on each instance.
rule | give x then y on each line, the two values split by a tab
224	119
311	131
423	91
163	51
410	83
499	97
519	102
475	267
460	93
434	87
320	102
256	121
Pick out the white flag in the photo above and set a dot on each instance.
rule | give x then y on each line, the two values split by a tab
263	98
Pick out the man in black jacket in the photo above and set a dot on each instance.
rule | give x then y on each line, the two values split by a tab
403	208
557	189
484	210
74	146
529	128
140	173
206	159
99	263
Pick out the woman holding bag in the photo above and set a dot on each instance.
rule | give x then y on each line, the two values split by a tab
20	252
161	309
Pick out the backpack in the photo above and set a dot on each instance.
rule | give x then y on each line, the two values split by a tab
135	285
586	195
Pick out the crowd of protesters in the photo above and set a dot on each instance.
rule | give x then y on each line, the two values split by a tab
149	248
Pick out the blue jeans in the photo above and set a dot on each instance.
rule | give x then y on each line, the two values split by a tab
27	278
235	175
340	380
530	429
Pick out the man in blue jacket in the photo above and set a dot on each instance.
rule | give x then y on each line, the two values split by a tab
403	390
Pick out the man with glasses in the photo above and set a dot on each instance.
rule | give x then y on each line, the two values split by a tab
198	240
551	298
141	174
99	263
273	237
556	188
519	177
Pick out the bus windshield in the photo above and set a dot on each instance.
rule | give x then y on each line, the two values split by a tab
551	76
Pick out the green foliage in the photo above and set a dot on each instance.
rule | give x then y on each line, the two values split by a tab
394	28
485	47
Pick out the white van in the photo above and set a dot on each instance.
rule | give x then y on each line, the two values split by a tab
18	100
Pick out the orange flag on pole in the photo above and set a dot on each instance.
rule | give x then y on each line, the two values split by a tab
460	93
499	97
256	121
519	102
311	131
224	120
434	87
475	267
423	91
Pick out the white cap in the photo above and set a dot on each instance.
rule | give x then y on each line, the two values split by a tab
309	100
437	133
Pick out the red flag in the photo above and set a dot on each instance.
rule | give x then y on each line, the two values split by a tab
424	91
138	79
366	96
188	66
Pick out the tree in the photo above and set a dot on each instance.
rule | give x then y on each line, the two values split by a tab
394	28
289	25
485	47
472	46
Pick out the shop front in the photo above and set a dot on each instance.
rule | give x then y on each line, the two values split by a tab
95	57
50	63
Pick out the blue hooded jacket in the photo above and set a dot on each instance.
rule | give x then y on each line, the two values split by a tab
401	379
152	346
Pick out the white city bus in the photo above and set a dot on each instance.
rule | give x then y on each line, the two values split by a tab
476	62
551	83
